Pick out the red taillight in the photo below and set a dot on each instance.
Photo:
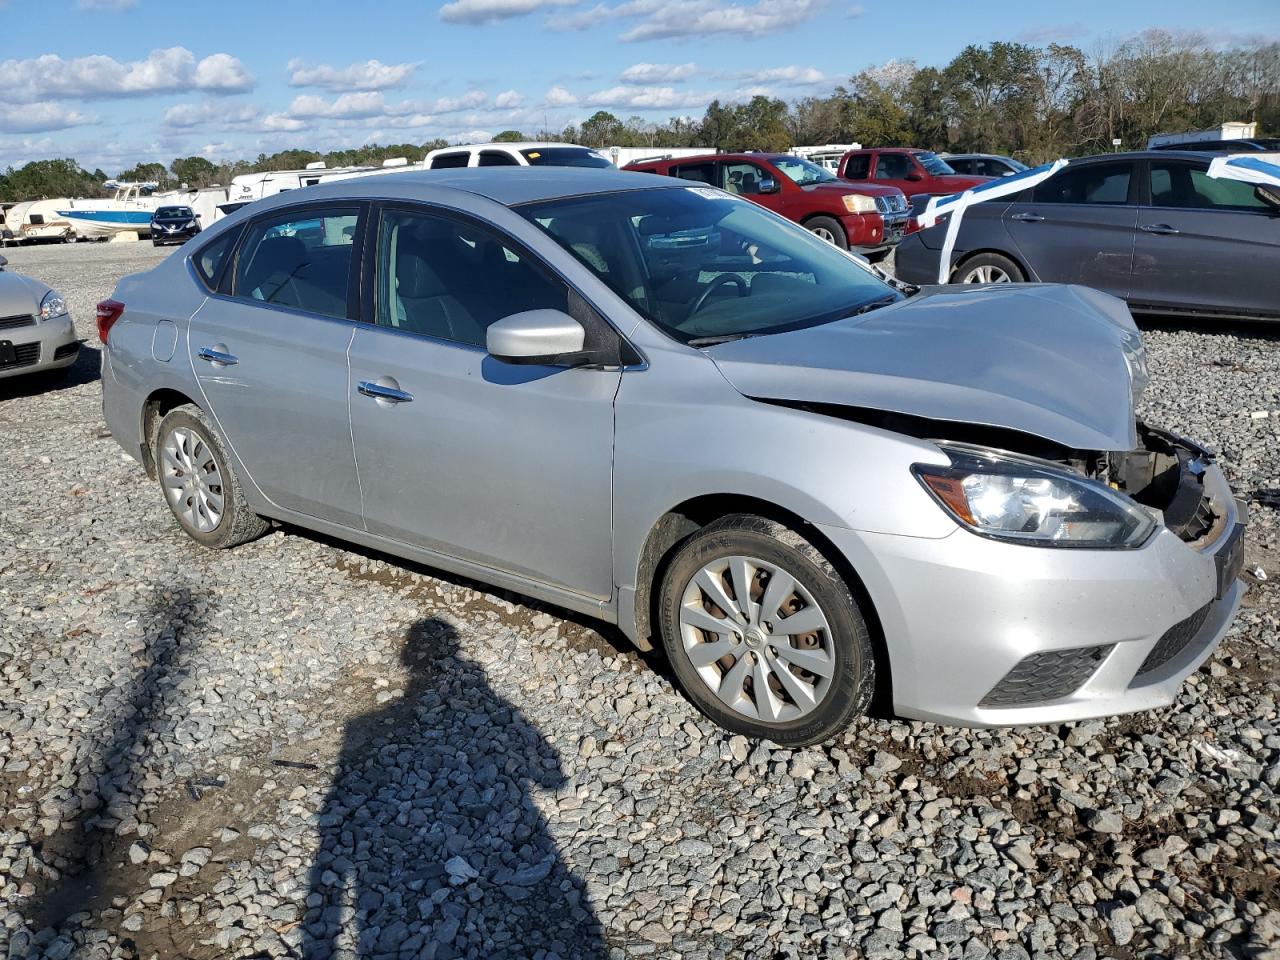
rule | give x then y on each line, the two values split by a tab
109	311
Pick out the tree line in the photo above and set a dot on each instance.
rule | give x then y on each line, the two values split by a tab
1034	103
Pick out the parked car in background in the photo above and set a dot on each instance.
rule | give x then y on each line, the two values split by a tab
650	402
914	172
870	219
173	225
1257	145
36	331
983	164
515	155
1150	227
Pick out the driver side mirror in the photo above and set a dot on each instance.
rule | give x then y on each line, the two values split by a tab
548	338
768	185
1268	195
914	176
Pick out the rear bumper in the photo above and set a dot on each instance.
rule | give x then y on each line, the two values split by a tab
960	613
44	345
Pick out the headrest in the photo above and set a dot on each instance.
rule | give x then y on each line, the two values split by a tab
415	277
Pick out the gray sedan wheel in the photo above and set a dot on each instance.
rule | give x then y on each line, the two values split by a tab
764	634
199	484
988	268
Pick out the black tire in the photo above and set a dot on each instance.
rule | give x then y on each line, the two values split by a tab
972	268
853	677
829	229
237	524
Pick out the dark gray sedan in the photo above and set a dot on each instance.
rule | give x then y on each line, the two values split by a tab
1152	228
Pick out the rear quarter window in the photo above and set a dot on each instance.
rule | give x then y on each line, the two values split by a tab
209	260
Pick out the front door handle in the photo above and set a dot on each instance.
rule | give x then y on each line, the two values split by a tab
1027	217
1161	228
216	356
377	391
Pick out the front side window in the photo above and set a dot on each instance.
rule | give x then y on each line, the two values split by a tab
701	265
300	259
893	166
1101	183
1188	185
450	161
933	164
445	278
803	172
858	167
565	157
743	179
497	158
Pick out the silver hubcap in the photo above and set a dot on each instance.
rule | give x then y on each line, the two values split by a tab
192	480
757	639
987	274
822	233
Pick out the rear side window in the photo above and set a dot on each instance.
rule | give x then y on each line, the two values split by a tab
497	158
1186	185
449	161
698	172
858	167
209	259
301	259
1101	183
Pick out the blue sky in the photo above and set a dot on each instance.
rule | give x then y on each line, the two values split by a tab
114	82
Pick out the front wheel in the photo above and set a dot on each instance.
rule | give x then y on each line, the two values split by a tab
199	484
828	229
764	634
988	268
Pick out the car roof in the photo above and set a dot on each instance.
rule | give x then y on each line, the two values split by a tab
508	186
513	145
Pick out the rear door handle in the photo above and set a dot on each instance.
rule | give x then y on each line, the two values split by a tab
378	392
217	356
1161	228
1027	217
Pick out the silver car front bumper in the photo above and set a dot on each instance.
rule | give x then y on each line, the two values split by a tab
39	346
1080	633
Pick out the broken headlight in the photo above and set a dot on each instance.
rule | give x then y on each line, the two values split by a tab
1032	502
1135	358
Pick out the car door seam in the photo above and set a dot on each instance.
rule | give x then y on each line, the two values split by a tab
351	432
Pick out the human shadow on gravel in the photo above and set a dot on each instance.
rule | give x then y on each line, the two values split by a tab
86	369
110	768
430	844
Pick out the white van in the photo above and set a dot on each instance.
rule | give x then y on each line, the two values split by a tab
524	154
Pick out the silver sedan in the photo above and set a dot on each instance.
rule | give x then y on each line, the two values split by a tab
678	412
36	331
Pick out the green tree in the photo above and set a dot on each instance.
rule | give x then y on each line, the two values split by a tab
195	172
601	129
509	136
47	179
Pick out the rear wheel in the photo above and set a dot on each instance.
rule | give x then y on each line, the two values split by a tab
764	634
988	268
825	228
199	484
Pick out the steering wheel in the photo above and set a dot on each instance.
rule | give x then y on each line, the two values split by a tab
715	285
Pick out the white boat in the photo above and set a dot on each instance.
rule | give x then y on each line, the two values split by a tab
129	210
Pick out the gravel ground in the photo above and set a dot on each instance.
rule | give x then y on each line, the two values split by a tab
301	749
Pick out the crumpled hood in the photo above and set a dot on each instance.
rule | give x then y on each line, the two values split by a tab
1045	360
19	295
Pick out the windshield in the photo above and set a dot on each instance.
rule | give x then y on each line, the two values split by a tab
564	157
934	164
702	264
801	172
173	213
1017	165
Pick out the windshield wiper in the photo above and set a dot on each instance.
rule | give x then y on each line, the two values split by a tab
876	303
723	338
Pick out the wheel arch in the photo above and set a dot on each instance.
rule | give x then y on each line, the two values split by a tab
820	215
678	523
158	403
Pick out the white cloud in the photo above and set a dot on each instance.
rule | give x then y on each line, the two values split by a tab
174	70
491	11
792	76
369	75
370	104
559	97
107	6
39	117
672	20
508	99
647	73
209	114
468	101
643	98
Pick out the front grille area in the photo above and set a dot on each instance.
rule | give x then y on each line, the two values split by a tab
27	354
1041	677
1173	642
10	323
891	204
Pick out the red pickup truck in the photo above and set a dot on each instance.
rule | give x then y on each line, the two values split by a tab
869	219
911	171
